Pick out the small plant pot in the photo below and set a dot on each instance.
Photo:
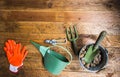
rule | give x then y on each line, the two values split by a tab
97	67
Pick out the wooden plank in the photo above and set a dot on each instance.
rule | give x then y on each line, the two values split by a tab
58	27
60	5
39	73
109	41
19	27
68	74
61	16
41	17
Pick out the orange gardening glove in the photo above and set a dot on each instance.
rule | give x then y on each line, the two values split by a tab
15	55
9	46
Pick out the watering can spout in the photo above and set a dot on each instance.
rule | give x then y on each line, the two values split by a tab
42	49
35	44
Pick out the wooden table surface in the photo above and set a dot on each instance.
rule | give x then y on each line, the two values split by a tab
25	20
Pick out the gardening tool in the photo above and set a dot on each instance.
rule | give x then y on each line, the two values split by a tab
53	61
56	41
72	37
92	50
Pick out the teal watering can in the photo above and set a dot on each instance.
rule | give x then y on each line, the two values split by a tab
53	61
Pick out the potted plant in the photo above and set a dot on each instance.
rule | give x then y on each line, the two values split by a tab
94	57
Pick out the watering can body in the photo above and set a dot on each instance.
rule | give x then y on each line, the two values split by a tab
53	61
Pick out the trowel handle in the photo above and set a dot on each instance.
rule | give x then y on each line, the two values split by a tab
100	38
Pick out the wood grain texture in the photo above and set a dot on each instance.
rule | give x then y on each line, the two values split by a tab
59	27
25	20
60	5
60	16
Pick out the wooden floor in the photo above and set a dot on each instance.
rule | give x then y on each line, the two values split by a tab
24	20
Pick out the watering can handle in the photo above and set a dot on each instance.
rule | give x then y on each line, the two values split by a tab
100	38
65	50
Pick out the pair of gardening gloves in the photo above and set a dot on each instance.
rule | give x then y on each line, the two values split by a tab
15	54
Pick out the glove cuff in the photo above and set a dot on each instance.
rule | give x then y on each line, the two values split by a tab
14	69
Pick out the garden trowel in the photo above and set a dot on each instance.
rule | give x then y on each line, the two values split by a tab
92	50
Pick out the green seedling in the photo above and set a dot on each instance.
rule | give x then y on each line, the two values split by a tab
92	50
72	36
